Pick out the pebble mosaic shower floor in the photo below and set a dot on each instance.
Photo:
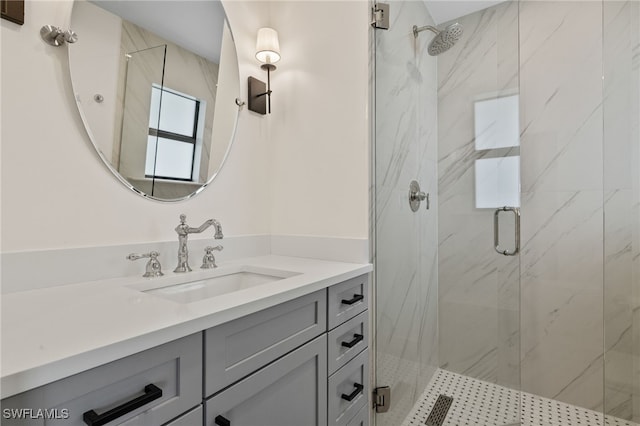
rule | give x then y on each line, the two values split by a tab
479	403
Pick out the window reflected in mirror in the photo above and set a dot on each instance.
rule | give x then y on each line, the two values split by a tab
175	135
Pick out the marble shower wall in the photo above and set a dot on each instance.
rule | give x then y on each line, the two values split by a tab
406	258
580	187
562	191
621	213
478	288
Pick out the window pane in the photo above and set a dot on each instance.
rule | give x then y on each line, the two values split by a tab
498	182
497	123
173	159
150	163
155	107
177	115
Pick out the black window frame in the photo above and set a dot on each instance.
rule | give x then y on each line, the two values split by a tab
191	139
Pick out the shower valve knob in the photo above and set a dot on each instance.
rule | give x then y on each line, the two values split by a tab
416	196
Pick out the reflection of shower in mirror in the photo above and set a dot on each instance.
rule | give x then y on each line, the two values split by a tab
147	73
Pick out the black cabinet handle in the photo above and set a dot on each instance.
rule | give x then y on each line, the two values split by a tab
221	421
356	298
151	393
358	388
357	338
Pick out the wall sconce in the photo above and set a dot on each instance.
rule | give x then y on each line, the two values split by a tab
267	52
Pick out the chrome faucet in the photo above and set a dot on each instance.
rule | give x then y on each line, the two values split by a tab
183	231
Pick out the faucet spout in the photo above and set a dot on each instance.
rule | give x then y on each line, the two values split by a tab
218	235
183	230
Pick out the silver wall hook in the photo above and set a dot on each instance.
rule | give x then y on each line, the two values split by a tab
56	36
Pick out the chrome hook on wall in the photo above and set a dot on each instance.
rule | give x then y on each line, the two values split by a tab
56	36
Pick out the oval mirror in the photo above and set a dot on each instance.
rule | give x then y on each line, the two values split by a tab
156	83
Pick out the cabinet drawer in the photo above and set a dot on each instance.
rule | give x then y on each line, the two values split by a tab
347	340
347	300
173	368
193	418
361	419
348	390
289	392
236	349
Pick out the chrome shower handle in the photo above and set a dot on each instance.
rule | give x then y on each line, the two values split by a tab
416	196
496	230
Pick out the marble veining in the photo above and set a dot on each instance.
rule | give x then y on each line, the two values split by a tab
579	204
478	288
537	320
405	256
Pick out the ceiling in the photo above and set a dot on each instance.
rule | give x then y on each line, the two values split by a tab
193	25
169	19
447	10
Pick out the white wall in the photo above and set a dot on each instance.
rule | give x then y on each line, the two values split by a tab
306	165
96	61
319	123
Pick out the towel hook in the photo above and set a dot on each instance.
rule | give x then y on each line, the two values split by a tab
56	36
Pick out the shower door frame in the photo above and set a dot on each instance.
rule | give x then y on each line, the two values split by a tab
374	237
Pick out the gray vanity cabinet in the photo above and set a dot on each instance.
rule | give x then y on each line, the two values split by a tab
348	390
348	374
324	382
300	363
347	340
361	419
148	388
238	348
291	391
192	418
347	299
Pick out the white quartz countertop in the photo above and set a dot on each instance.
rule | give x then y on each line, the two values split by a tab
56	332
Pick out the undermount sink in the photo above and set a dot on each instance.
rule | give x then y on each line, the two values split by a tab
226	280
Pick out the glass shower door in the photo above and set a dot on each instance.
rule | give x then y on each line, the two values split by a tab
447	277
479	202
621	210
405	241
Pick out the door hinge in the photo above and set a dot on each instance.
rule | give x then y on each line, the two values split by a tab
382	399
380	15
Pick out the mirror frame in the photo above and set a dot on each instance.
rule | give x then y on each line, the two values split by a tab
117	174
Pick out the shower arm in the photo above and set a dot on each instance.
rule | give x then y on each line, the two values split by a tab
417	30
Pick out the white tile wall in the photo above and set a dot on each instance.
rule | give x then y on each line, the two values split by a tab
478	288
580	192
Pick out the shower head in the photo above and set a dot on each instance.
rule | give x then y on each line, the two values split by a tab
444	39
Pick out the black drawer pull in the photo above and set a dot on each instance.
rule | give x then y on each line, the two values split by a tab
357	338
221	421
353	394
151	393
356	298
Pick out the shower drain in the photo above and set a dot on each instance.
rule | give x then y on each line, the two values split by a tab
439	411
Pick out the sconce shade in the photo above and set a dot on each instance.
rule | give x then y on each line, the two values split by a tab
267	46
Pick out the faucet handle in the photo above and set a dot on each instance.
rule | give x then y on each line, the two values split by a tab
209	260
153	268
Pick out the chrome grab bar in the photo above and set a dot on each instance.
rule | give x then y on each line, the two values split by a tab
496	230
